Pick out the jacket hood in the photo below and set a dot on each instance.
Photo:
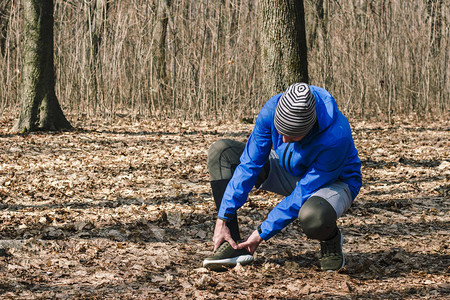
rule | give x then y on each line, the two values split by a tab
326	108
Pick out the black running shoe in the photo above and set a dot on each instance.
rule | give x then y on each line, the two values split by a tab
332	257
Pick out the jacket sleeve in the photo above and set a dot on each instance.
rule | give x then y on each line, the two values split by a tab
324	170
253	158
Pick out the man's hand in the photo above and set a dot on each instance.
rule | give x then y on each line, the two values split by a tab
221	234
251	243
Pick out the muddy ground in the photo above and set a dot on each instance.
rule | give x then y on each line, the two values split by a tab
123	209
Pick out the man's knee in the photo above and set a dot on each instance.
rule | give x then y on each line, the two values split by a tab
317	218
223	157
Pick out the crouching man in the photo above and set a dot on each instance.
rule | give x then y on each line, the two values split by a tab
301	147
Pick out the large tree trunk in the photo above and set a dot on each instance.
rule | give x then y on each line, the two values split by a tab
284	48
40	107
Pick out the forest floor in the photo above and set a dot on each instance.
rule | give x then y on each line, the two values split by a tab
123	209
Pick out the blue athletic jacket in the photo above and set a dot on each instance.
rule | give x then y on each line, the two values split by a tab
326	154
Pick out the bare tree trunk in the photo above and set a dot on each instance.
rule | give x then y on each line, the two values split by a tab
160	50
284	48
434	9
4	19
328	67
40	107
234	21
98	13
318	15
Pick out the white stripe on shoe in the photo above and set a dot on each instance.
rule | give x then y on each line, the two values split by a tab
228	262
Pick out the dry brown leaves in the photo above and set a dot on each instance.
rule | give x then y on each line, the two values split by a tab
123	209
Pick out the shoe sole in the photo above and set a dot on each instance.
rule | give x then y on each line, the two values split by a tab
227	263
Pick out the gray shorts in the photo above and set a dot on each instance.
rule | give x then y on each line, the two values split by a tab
281	182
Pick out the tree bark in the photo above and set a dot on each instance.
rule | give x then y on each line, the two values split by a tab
160	51
98	14
284	48
434	9
4	19
40	107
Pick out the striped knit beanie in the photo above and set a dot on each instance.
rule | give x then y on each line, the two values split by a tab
295	114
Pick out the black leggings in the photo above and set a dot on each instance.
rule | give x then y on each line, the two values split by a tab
223	158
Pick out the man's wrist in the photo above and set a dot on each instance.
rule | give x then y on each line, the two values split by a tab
258	236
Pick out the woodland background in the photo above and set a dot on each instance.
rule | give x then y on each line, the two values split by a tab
120	207
200	59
